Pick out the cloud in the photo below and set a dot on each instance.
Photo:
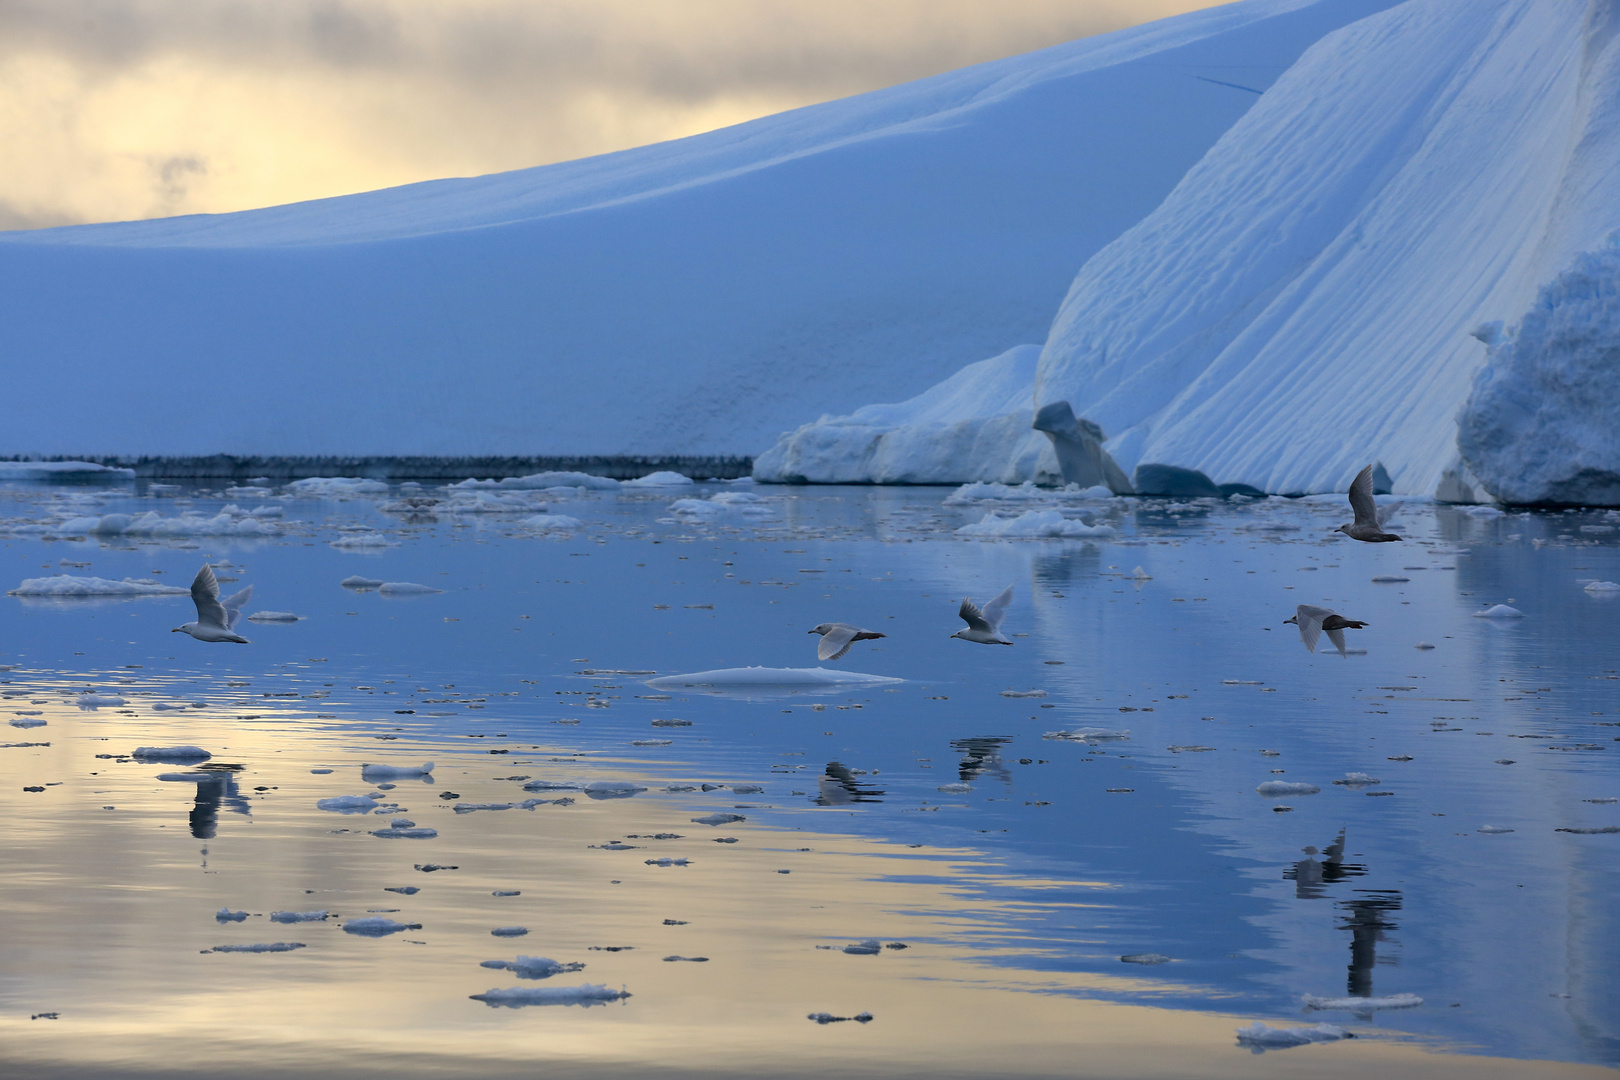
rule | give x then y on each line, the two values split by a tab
223	104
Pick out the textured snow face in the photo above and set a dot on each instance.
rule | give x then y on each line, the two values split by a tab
699	296
1300	305
1543	422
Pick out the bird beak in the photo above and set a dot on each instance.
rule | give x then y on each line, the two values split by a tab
809	631
176	630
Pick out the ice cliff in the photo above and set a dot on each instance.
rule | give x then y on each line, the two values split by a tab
1301	303
693	297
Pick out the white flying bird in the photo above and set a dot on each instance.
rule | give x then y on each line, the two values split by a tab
984	626
837	637
1312	621
215	619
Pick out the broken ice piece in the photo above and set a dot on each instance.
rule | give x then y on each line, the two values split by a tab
1358	779
718	819
1273	788
518	996
1145	958
510	931
869	947
377	926
1260	1038
226	915
299	916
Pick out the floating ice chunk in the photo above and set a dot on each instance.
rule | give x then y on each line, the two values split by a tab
1389	579
764	676
27	722
532	967
405	832
718	819
374	774
336	487
1499	611
1260	1038
1033	524
299	916
667	862
1283	787
1591	832
1089	735
405	588
348	804
726	504
377	926
355	581
488	502
20	745
662	478
518	996
550	785
1423	646
829	1018
1362	1004
869	947
278	946
1358	779
1023	693
1149	958
755	789
611	789
99	701
273	616
68	585
510	931
955	789
1603	587
225	915
171	755
551	522
364	541
544	480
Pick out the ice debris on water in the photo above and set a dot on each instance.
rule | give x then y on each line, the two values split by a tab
1260	1038
829	1018
667	862
274	616
68	585
1358	779
226	915
1284	787
1033	524
405	832
611	789
869	947
1603	587
1023	693
518	996
550	522
662	478
1089	735
99	701
1590	832
532	967
510	931
299	916
355	581
276	946
170	755
550	785
363	542
27	722
405	588
954	789
377	926
336	487
373	773
718	819
348	804
1145	958
1361	1004
1499	611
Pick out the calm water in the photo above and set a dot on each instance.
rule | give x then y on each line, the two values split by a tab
1016	869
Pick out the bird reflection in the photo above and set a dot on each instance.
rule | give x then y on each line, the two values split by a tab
1365	918
837	786
1311	875
981	756
216	787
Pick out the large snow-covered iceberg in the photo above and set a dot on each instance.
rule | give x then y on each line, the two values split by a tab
694	297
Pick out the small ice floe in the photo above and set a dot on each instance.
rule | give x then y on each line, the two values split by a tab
67	585
672	723
1361	1004
1499	611
686	959
829	1018
517	997
764	676
727	504
355	581
20	745
550	523
275	946
225	915
170	755
544	481
1423	645
405	588
1358	780
368	541
532	967
99	701
1602	801
1274	788
27	722
1389	579
299	916
432	867
507	892
1260	1038
1190	749
1023	693
955	789
1033	524
1145	958
403	890
373	773
1089	735
348	804
652	742
336	487
405	831
869	947
1591	832
610	789
480	502
1603	587
273	616
550	785
231	521
510	931
663	478
668	862
718	819
755	789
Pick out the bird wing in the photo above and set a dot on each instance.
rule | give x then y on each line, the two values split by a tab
1336	635
233	605
969	613
1310	619
1387	511
205	594
996	610
835	642
1361	498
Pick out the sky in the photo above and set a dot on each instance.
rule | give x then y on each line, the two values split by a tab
122	109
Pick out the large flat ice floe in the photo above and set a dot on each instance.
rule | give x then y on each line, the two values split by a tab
694	297
584	996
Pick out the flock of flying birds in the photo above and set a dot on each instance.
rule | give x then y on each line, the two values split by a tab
217	619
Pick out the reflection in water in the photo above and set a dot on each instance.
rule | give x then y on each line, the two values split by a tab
1365	919
1311	875
981	755
837	786
216	786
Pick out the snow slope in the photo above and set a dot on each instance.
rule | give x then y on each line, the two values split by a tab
697	296
1301	304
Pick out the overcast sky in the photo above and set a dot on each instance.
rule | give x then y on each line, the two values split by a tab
115	109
